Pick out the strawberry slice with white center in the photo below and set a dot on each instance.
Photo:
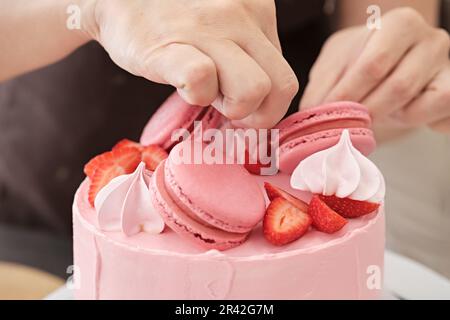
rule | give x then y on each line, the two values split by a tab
349	208
324	218
113	164
284	222
275	192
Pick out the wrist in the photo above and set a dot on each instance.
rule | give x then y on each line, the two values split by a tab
75	21
89	26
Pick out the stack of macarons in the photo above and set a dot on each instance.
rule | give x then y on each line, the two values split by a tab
300	135
213	205
307	132
217	205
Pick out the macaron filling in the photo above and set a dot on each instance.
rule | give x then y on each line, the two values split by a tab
330	125
325	134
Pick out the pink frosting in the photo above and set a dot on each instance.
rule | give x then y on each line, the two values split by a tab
160	266
342	171
124	205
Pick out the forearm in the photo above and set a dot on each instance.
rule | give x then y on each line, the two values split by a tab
353	12
35	33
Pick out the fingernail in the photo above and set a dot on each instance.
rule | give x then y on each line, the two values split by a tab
218	103
184	95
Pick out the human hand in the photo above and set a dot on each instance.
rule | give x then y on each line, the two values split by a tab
401	72
220	52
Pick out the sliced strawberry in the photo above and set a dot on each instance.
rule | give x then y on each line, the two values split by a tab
275	192
93	164
349	208
324	218
284	222
114	163
125	143
152	155
90	167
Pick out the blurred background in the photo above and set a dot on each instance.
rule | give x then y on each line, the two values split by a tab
40	171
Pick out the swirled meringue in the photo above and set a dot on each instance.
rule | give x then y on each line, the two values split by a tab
124	205
342	171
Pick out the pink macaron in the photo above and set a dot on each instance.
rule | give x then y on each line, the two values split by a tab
212	205
175	114
312	130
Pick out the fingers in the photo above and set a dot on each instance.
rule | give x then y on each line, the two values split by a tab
329	67
408	79
284	83
442	126
243	83
380	55
221	73
430	107
198	48
186	68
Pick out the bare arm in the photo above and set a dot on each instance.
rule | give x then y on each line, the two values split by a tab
400	71
350	12
34	34
224	53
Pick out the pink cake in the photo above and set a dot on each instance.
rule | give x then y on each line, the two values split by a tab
146	266
174	230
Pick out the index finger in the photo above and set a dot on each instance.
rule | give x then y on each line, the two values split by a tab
382	52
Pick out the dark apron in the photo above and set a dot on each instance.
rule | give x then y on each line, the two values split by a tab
54	120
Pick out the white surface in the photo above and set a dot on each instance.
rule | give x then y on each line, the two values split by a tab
404	279
411	280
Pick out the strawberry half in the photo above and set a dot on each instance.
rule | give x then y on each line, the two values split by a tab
275	192
125	143
284	222
95	162
90	167
324	218
113	163
152	155
349	208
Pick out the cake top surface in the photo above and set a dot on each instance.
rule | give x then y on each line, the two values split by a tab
256	247
332	191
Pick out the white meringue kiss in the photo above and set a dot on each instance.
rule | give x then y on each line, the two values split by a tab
124	205
342	171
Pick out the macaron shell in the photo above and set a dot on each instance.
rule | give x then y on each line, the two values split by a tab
188	228
173	114
317	117
293	152
226	192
